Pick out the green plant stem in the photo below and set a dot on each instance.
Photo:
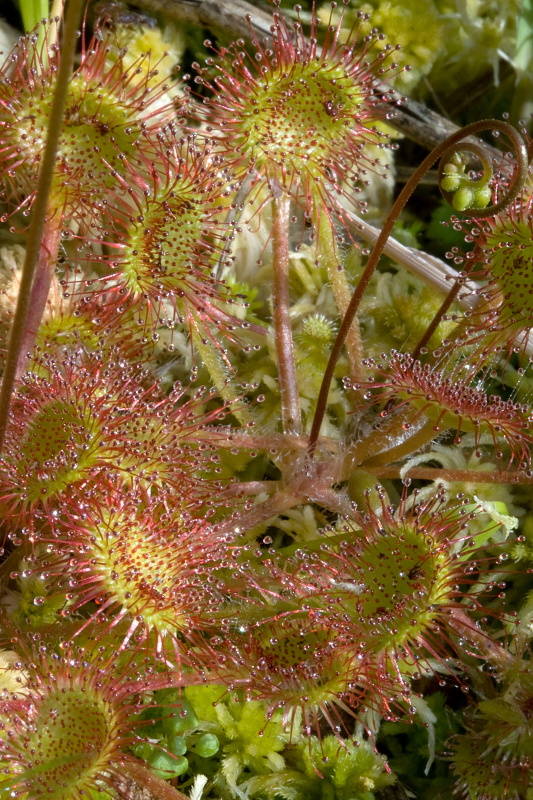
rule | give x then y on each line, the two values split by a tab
443	149
489	648
39	211
451	475
156	786
329	256
32	12
288	387
215	366
407	447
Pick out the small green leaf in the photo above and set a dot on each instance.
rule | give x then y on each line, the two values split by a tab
168	766
206	746
177	745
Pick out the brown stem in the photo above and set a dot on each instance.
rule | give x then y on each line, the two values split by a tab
35	237
290	399
451	475
435	322
156	786
444	147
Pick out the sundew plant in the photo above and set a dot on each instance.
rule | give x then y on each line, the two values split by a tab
265	422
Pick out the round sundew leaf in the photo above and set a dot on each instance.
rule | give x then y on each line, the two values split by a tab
298	113
59	447
292	661
510	245
109	107
295	119
162	247
71	737
403	580
451	403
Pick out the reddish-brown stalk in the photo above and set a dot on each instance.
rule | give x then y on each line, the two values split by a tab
38	258
63	132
